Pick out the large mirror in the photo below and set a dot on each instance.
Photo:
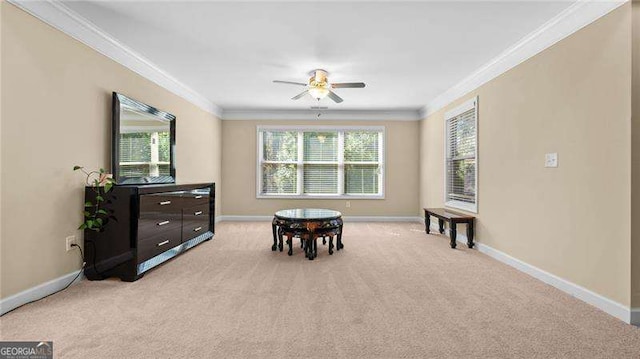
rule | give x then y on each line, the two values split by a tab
143	143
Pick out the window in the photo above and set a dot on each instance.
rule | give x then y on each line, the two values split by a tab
461	157
320	162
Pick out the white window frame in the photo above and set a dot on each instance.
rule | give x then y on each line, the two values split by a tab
300	163
464	107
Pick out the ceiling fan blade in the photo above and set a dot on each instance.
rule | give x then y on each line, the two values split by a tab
289	83
332	95
300	95
344	85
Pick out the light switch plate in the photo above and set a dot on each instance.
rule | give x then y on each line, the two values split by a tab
551	160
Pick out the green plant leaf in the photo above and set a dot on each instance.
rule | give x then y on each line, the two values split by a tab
99	221
87	214
107	187
89	223
75	168
102	211
102	170
82	226
99	198
88	204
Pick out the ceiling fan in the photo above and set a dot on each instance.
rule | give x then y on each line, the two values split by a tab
319	86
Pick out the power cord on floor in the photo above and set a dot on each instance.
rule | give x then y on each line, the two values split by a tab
58	291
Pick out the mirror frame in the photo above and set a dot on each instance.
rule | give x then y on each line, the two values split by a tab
120	100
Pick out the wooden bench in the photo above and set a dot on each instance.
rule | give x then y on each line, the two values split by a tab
453	219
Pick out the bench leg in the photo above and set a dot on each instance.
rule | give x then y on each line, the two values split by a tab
453	233
427	222
441	225
470	234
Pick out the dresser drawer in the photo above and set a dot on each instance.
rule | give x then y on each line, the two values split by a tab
195	221
151	226
195	197
152	205
151	247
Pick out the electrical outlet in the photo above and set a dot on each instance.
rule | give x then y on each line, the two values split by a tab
69	241
551	160
348	204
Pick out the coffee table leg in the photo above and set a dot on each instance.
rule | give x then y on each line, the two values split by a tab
290	243
275	238
453	232
330	245
280	244
311	240
441	225
339	244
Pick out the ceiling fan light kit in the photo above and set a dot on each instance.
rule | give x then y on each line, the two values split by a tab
318	92
319	86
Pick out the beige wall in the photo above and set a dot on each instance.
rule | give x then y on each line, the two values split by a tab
573	98
401	176
1	265
635	158
57	114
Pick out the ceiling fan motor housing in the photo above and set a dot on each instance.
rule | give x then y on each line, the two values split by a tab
318	78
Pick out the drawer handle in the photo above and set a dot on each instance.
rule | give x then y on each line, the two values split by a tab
197	197
197	213
163	243
197	229
163	223
164	203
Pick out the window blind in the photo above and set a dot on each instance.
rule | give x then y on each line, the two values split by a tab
461	158
362	165
320	174
279	162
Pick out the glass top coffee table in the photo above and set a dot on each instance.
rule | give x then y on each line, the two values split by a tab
308	224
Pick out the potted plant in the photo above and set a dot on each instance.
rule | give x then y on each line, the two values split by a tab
95	215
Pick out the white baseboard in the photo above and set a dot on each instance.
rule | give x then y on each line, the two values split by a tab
246	218
381	219
37	292
605	304
345	218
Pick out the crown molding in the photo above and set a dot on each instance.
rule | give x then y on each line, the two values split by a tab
69	22
353	115
575	17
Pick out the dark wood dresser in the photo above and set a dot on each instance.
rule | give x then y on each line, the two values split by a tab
151	224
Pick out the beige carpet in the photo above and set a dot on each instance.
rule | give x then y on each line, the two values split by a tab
394	292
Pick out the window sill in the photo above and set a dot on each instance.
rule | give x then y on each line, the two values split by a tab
329	196
463	206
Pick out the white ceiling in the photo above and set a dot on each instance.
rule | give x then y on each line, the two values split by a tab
408	53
